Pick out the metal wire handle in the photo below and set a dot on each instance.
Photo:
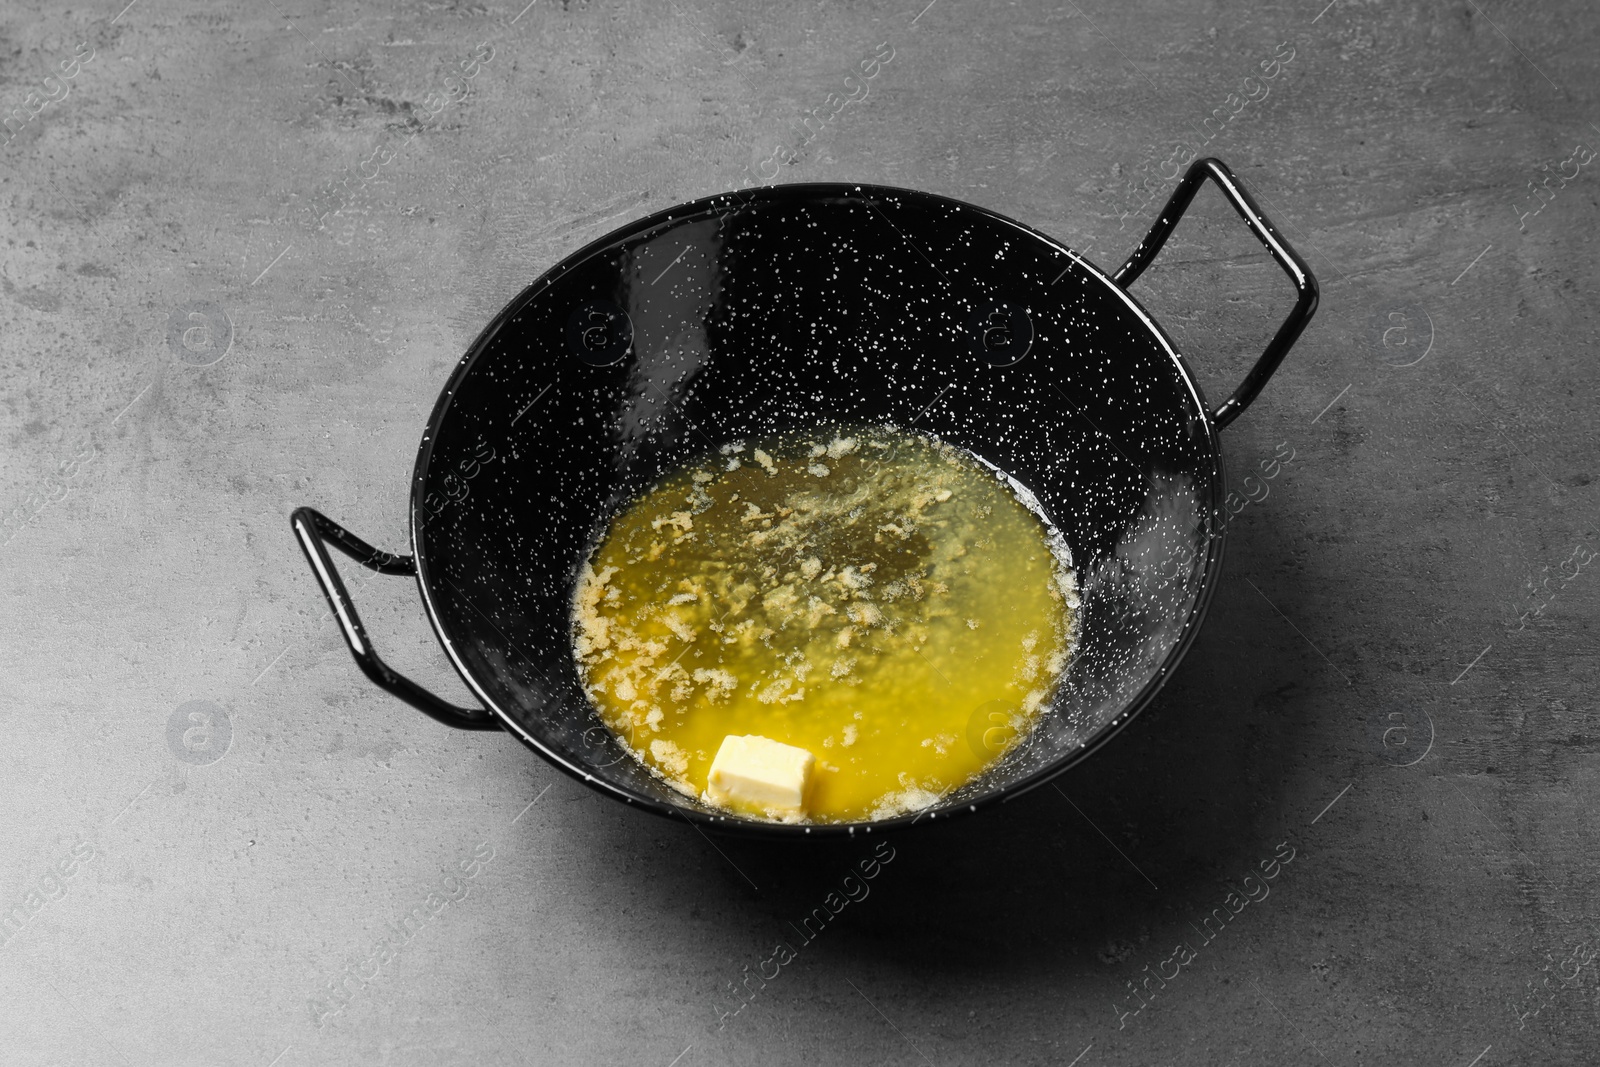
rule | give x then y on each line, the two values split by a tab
313	528
1305	285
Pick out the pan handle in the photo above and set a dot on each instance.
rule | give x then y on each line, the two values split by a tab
1305	285
313	528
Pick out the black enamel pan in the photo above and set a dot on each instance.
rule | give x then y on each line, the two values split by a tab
743	315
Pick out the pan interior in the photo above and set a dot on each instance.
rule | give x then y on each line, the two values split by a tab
747	315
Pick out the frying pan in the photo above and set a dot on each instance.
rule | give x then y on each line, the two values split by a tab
750	313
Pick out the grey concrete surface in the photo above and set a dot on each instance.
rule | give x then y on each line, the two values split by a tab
1395	686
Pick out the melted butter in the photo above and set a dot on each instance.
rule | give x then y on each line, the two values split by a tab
871	596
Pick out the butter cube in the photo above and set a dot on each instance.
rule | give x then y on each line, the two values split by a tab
760	774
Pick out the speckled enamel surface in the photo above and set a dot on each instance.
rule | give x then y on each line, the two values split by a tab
742	315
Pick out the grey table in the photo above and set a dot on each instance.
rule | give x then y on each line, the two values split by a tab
243	246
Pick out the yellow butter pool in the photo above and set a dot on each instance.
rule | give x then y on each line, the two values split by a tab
876	597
